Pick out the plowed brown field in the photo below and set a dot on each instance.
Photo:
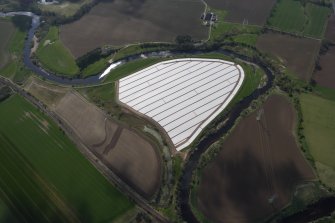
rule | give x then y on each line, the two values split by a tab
257	169
326	76
123	22
299	54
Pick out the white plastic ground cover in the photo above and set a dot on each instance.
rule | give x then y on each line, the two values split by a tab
182	95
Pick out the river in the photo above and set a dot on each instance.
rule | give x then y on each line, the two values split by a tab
204	144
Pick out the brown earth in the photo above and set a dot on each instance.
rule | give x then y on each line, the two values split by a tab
299	54
258	162
326	76
255	12
132	157
123	22
330	31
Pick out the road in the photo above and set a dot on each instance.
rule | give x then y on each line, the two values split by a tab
113	178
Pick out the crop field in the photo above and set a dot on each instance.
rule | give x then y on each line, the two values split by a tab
5	39
66	8
54	56
134	158
182	95
51	175
326	76
319	129
292	16
241	11
257	169
288	48
330	31
125	22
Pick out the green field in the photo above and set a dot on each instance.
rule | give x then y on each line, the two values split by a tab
4	40
291	16
319	128
54	56
14	68
43	177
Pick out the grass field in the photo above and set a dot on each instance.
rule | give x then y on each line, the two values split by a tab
288	49
53	181
14	67
241	11
4	40
257	169
319	128
122	22
66	8
54	56
292	16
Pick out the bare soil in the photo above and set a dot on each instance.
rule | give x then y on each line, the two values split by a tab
299	54
257	169
132	157
330	31
326	76
125	22
240	11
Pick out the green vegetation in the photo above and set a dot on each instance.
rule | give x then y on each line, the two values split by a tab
131	67
318	16
54	56
319	129
14	68
4	39
292	16
95	68
66	8
238	32
54	173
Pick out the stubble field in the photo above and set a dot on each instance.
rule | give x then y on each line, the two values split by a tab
125	22
289	49
257	169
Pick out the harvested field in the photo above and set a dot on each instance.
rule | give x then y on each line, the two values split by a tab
330	31
5	37
242	11
257	169
288	48
132	157
326	76
123	22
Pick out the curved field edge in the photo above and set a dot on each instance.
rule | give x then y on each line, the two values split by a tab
302	195
54	56
64	181
319	129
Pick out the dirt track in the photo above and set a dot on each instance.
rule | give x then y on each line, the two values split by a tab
330	31
257	169
133	158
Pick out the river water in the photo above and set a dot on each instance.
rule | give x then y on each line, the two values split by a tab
192	162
